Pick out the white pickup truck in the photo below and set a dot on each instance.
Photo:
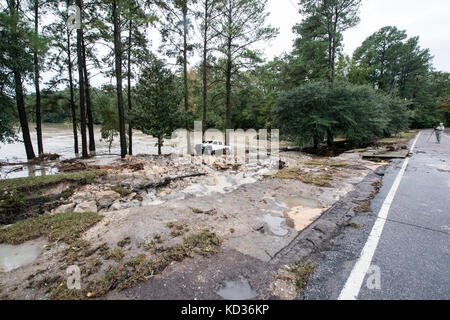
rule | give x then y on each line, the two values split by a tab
212	147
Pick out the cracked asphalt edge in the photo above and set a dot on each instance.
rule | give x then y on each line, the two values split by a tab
330	244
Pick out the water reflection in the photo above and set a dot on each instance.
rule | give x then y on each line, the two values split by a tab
20	171
58	138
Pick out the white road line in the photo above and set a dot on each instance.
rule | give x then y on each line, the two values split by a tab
356	278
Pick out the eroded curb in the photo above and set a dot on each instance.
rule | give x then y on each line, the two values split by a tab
316	237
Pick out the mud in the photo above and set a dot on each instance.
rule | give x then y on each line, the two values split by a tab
254	214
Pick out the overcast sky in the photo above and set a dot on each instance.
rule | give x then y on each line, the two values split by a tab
428	19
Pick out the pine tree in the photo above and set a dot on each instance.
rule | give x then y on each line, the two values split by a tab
17	40
157	101
242	24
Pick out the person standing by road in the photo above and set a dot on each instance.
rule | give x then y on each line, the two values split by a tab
439	130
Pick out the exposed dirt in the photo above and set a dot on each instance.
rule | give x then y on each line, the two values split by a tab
149	209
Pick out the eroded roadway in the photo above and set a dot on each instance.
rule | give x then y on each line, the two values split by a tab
413	251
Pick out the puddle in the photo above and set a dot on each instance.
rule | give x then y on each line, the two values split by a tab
19	171
236	290
274	224
13	257
304	216
302	211
303	202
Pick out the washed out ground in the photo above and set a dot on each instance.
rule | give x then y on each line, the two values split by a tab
153	207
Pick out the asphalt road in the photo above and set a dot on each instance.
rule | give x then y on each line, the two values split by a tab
413	251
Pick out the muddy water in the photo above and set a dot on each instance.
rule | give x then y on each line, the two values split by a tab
303	211
298	201
13	257
58	138
275	225
236	290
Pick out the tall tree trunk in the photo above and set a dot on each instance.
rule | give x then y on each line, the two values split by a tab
18	87
315	142
72	99
330	138
130	123
84	149
160	143
334	45
118	65
23	115
205	66
88	103
36	83
228	92
228	75
185	79
330	54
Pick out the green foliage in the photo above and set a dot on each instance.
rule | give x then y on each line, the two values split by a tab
16	55
319	110
110	124
66	227
348	70
7	119
157	102
320	35
38	182
395	62
302	114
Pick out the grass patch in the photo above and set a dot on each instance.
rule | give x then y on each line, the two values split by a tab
141	268
207	212
12	199
326	163
352	225
67	227
121	190
35	183
62	293
117	254
364	207
401	137
66	194
76	250
302	274
289	173
321	180
124	242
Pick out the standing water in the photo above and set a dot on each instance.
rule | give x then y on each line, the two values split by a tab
236	290
13	257
58	138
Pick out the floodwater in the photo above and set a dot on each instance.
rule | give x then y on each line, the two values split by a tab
58	138
236	290
13	257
